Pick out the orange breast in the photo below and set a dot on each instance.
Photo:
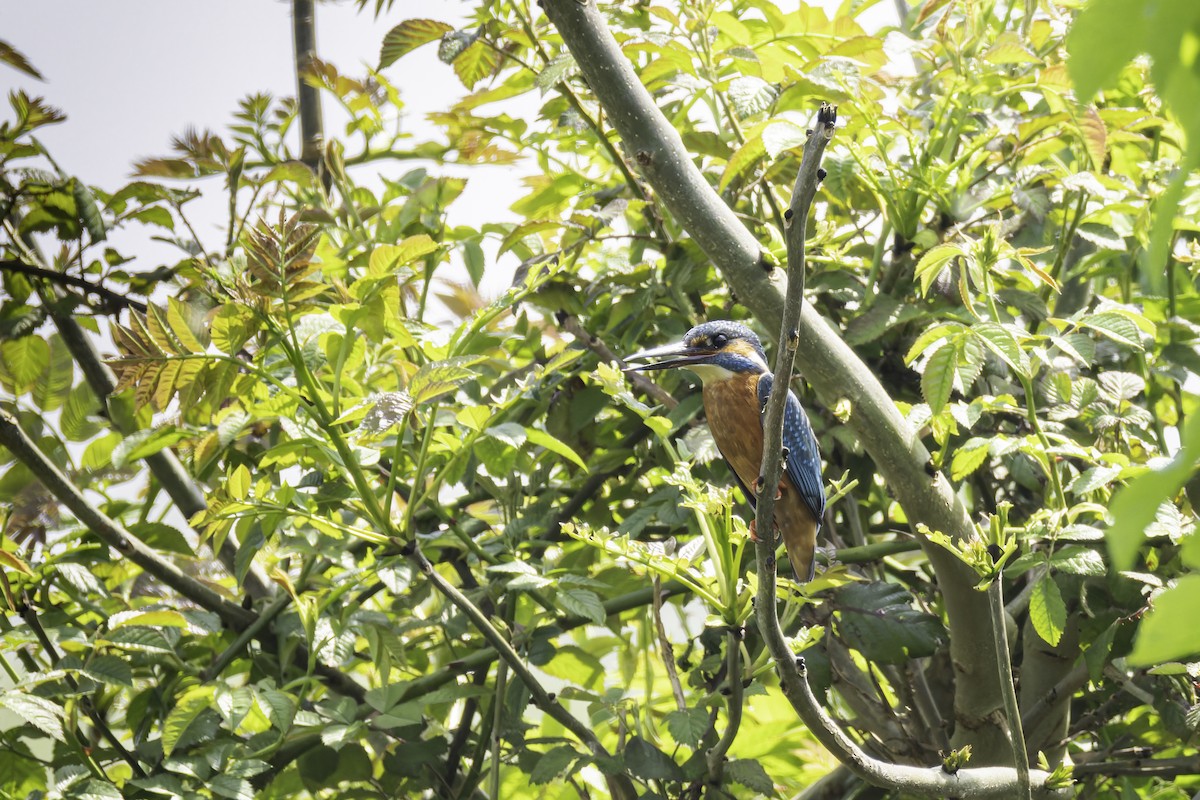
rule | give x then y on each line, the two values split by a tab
733	417
732	410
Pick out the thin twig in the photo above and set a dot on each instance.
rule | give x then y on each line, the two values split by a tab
1012	709
619	785
116	300
664	645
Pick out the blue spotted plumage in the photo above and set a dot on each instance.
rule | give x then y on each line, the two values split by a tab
731	364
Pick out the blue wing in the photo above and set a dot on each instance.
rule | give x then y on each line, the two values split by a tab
803	459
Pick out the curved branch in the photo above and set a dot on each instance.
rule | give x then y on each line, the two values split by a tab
827	362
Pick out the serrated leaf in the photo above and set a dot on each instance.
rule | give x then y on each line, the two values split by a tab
969	457
562	66
439	377
187	708
1095	136
109	669
1092	479
1077	560
1001	341
933	262
39	712
551	764
89	211
747	154
583	603
1114	326
647	762
24	360
751	774
409	35
751	95
937	380
387	259
687	727
476	62
879	621
1047	610
782	135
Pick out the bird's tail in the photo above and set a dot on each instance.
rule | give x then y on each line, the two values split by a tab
800	538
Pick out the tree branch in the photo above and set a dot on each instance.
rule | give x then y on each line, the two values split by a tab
828	363
115	536
111	532
114	300
619	785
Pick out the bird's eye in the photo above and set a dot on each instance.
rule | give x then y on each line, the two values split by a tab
720	340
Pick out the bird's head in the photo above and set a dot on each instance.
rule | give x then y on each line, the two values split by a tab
715	351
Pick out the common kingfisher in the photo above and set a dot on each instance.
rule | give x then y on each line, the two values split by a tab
729	360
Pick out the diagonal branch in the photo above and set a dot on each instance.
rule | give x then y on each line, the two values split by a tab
115	536
619	785
112	532
828	363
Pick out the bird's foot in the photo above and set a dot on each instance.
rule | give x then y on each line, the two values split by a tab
754	530
759	485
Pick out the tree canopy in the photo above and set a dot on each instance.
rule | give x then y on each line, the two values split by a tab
303	512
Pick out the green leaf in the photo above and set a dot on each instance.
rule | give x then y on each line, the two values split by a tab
969	457
751	95
17	60
43	714
750	773
409	35
441	377
1001	341
937	381
151	619
52	387
1105	37
687	727
24	360
109	669
742	159
89	212
583	603
161	536
187	708
781	135
1078	560
647	762
933	262
551	764
476	62
231	327
562	66
140	444
878	620
1047	610
543	439
1135	506
1168	632
387	259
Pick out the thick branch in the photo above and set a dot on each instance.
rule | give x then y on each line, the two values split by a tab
827	362
308	98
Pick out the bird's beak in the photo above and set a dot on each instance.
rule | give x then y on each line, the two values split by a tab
671	355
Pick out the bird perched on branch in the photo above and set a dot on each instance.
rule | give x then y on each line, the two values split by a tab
729	359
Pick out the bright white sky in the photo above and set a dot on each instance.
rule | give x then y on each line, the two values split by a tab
130	74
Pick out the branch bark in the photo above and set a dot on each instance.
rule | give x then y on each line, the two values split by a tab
827	362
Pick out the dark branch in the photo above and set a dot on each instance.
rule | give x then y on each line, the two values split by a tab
114	300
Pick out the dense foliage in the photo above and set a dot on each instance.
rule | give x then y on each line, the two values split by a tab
307	538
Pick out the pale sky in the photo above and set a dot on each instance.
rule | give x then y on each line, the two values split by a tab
130	74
